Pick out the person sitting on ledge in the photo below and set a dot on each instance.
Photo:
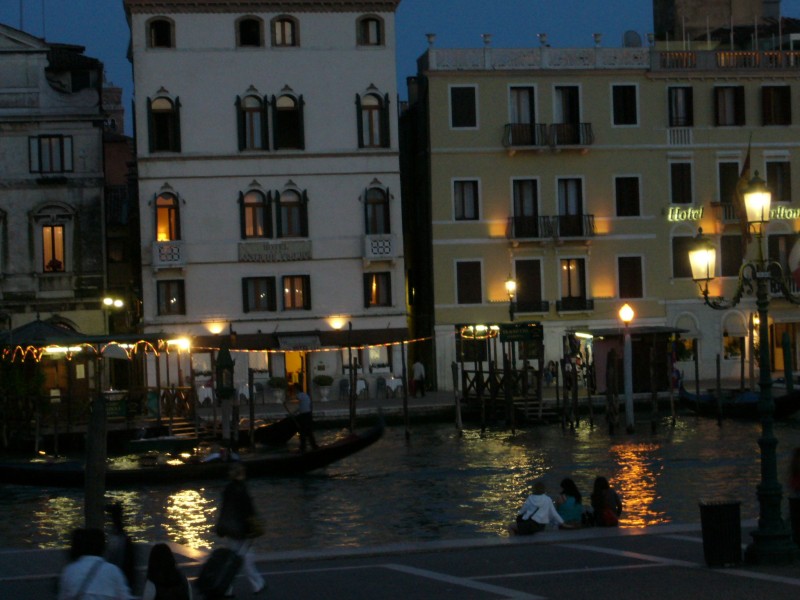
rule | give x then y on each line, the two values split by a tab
606	504
536	513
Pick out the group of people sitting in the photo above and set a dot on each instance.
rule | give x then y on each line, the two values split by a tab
567	511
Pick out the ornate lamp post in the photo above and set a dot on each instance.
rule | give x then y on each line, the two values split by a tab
511	289
772	540
626	315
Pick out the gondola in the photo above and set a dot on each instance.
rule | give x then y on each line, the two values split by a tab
738	404
279	463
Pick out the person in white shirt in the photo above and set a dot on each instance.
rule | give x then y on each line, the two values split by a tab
536	513
89	576
418	372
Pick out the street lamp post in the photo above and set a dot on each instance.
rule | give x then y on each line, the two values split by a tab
511	289
772	540
626	315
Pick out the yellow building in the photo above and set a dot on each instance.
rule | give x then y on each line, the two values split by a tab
584	175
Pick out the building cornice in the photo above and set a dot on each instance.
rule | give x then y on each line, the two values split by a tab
251	6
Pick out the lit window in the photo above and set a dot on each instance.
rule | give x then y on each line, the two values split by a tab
377	289
255	218
296	292
53	249
167	218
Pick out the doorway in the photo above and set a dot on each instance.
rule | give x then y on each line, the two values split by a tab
296	370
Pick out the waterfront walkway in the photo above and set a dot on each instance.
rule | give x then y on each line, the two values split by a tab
664	562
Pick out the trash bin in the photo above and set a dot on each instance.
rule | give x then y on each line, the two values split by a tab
722	533
794	515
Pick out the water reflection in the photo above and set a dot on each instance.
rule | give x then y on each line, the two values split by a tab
638	470
438	485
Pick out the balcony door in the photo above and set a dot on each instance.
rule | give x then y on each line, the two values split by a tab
570	207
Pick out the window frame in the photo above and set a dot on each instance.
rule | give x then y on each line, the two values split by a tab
731	255
171	212
781	187
164	125
530	291
377	217
252	122
737	102
377	289
674	189
54	247
154	36
294	298
279	27
727	180
459	200
630	289
170	288
256	214
680	106
363	34
469	283
776	105
288	129
623	197
679	249
470	123
373	121
291	212
620	105
256	288
63	153
566	282
246	20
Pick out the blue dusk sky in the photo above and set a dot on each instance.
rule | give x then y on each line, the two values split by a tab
100	26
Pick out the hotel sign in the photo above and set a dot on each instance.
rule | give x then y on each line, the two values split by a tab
678	214
275	251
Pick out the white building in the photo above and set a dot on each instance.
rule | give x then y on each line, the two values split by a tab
269	179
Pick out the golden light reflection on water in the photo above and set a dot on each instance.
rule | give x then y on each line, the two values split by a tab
635	480
189	518
56	518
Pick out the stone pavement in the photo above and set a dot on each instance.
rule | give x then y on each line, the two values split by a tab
664	562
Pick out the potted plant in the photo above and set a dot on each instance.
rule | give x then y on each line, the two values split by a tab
278	385
324	383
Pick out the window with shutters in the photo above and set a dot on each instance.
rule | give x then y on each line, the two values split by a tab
287	115
776	105
369	31
296	292
468	282
249	32
258	294
377	211
163	116
373	120
625	109
729	105
168	222
292	214
252	119
256	218
285	32
377	289
160	33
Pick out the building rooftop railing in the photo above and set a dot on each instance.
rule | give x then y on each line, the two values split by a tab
488	58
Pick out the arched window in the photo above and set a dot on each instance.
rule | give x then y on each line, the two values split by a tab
256	218
164	125
252	119
369	31
249	32
377	211
373	121
160	33
168	225
285	32
292	214
287	114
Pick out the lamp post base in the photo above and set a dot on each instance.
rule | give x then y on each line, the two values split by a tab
771	548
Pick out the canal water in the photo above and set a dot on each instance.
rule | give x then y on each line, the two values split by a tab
439	485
